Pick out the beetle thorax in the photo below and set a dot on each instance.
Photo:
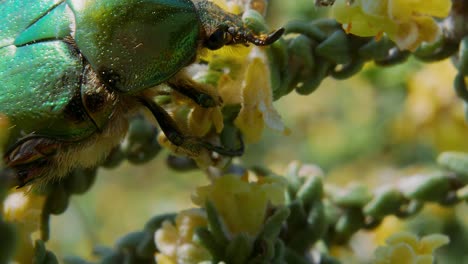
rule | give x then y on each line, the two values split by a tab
136	44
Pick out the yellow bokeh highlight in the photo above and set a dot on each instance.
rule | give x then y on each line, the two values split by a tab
433	112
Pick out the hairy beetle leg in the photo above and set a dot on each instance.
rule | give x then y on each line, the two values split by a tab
198	92
176	137
29	172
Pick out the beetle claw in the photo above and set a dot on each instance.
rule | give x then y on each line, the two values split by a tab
273	36
264	40
226	151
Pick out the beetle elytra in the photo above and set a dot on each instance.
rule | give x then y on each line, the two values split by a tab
73	70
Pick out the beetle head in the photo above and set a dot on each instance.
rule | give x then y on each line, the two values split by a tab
220	28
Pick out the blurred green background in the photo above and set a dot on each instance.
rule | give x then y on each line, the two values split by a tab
376	127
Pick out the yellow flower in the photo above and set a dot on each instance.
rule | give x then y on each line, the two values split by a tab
257	100
231	6
192	118
202	119
175	242
242	77
246	81
407	22
242	205
23	208
235	75
405	248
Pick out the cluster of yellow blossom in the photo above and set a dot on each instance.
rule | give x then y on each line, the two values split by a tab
242	204
407	22
406	248
242	78
242	207
246	81
176	242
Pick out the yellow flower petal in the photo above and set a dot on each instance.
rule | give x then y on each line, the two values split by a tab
402	10
192	254
403	237
431	242
163	259
402	254
374	7
405	247
229	6
251	124
420	29
429	30
426	259
241	204
360	20
199	121
202	119
187	221
229	89
257	103
218	119
407	22
166	239
175	242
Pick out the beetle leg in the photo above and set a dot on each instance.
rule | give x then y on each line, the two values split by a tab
30	149
29	156
198	92
28	172
176	137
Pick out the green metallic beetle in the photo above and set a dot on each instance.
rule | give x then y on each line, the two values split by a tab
72	71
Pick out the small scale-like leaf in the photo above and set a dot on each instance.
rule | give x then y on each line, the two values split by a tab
456	162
